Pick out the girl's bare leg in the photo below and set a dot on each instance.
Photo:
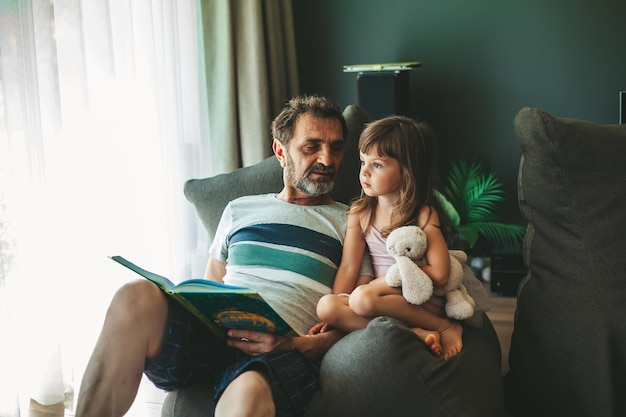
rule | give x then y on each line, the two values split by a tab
379	299
431	339
451	339
334	310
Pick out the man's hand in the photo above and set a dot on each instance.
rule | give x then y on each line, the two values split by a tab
255	343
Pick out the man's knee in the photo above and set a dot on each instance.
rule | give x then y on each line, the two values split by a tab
249	394
139	308
139	297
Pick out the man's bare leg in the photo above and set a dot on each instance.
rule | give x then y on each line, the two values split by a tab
133	331
247	395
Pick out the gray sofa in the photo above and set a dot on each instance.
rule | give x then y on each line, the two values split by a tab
383	370
568	348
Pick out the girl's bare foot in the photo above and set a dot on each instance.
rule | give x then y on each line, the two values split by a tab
430	339
451	339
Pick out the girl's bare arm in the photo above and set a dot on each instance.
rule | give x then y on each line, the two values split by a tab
353	249
438	267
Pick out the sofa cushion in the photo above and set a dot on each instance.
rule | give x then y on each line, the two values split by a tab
211	195
568	348
385	370
195	400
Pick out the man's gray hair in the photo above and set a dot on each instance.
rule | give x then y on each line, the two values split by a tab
317	106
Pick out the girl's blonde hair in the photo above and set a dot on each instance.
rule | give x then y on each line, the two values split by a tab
414	146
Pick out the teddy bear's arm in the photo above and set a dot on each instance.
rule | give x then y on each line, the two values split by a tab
417	287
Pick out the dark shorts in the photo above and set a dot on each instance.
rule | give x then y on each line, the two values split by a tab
190	353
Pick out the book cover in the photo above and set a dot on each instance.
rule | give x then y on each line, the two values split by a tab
219	306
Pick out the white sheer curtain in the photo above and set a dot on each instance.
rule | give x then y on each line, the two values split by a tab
102	112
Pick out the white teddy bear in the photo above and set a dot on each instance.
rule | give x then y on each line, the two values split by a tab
407	245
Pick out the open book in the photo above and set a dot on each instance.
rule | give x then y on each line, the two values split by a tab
219	306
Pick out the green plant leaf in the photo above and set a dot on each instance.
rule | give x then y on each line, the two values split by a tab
497	233
474	194
448	208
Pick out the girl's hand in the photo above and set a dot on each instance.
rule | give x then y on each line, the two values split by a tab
255	343
320	327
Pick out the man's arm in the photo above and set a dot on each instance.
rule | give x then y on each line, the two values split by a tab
215	270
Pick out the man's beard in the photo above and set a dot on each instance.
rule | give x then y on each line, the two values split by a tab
309	186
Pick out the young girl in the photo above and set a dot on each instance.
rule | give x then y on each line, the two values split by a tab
398	178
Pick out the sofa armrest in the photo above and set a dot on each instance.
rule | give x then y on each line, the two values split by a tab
569	333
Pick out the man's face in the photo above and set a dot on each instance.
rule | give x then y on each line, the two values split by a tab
313	155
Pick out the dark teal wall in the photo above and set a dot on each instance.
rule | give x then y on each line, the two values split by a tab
482	60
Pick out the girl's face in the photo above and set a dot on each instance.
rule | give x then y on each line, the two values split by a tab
380	175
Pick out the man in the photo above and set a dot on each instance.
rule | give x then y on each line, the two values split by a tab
287	246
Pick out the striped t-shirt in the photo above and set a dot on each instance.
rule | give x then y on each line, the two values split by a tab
288	253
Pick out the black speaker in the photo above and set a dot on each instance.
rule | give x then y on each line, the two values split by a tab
507	271
383	94
622	107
